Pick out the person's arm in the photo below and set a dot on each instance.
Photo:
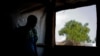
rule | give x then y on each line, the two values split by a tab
35	34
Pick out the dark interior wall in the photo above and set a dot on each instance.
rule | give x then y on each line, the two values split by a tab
98	16
5	32
11	18
71	4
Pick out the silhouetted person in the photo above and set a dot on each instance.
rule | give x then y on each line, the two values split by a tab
26	37
31	44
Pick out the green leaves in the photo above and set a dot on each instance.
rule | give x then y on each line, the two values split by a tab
75	31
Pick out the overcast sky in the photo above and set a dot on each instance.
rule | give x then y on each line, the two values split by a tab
84	15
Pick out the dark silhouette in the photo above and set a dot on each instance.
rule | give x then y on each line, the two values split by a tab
26	38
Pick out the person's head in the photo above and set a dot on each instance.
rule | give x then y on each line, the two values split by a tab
31	21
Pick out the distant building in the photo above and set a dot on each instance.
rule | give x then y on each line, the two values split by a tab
68	42
65	42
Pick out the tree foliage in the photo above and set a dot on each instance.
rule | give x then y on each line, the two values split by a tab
75	31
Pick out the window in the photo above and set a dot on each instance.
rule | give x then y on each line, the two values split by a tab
83	15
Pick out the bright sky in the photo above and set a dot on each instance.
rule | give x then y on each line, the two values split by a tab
83	14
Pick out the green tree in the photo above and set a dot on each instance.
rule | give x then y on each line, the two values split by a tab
75	32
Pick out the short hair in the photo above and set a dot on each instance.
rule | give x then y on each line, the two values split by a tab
31	20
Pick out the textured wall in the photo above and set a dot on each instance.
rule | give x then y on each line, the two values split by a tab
21	20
